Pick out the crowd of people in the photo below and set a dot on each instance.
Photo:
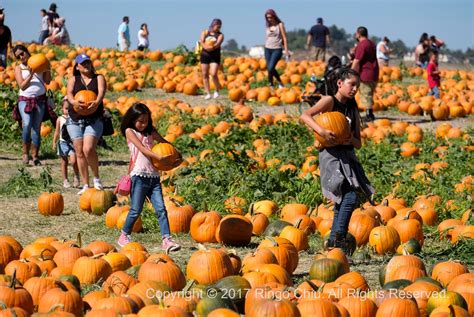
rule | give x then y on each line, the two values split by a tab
77	134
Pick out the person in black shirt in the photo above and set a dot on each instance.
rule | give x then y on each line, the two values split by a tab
317	40
5	40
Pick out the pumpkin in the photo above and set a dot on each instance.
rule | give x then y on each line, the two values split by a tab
149	291
209	303
120	304
170	157
179	217
17	248
85	200
398	307
51	204
445	298
162	271
236	286
273	307
16	296
285	252
260	256
296	236
234	230
91	270
24	269
359	307
38	63
335	122
38	286
113	215
266	207
445	272
7	254
66	257
118	283
85	97
68	300
384	239
207	266
117	261
448	311
204	225
101	201
326	270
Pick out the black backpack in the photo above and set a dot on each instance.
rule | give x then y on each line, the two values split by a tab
331	75
65	135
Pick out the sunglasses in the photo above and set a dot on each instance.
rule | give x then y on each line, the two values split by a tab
20	55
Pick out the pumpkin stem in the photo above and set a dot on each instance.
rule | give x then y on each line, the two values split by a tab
272	240
54	307
13	281
201	247
79	239
313	286
44	274
385	202
188	286
298	223
3	306
251	211
61	286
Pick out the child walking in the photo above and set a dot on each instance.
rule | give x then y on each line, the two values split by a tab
65	148
434	80
342	175
137	127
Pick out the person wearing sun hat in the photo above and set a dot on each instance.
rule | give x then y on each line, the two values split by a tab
86	130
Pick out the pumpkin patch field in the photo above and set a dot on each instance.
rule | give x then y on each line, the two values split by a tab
245	204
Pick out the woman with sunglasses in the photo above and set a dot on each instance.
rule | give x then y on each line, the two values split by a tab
31	103
85	130
275	42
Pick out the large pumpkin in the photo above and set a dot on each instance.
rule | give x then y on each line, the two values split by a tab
38	63
86	97
234	230
335	122
170	157
51	204
207	266
91	270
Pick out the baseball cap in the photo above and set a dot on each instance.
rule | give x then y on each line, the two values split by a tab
319	20
81	58
53	6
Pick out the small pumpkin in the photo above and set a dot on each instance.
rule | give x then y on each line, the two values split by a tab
86	97
170	157
51	204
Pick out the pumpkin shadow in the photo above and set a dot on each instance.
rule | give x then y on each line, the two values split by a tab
113	163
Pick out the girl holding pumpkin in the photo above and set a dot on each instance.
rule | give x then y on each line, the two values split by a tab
275	42
342	175
211	40
85	124
31	101
137	127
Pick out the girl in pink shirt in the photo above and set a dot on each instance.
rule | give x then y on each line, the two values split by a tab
137	127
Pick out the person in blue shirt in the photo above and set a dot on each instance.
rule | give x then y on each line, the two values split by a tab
123	41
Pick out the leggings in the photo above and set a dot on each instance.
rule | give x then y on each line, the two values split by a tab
272	57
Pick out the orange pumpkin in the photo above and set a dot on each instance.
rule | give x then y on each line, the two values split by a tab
38	63
170	157
85	97
51	204
335	122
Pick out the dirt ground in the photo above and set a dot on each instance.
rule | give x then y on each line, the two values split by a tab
19	216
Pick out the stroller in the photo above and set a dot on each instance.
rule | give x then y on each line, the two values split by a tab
323	86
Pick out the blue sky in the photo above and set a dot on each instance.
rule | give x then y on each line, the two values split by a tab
174	22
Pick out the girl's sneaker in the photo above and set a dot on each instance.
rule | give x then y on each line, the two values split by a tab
207	97
98	184
84	188
169	244
124	239
66	184
216	95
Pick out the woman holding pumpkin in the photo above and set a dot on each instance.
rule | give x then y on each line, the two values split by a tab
31	100
211	40
85	93
275	42
342	175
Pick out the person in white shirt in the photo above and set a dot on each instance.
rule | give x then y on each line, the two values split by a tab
44	33
383	52
143	34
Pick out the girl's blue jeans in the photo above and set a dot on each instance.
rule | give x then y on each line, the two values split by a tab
272	56
32	122
343	212
150	187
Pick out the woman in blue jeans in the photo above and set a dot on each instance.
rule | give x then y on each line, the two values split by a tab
275	42
31	103
138	128
342	175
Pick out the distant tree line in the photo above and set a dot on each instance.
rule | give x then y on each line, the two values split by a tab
343	41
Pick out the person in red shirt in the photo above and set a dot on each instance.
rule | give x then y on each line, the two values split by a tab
365	62
434	80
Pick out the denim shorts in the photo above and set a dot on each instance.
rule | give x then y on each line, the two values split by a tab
79	129
65	149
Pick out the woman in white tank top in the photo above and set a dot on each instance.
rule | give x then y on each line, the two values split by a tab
275	42
143	33
31	102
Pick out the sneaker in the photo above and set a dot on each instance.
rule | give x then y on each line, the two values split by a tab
124	239
170	245
369	118
66	184
77	182
98	184
208	96
280	86
84	188
216	95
